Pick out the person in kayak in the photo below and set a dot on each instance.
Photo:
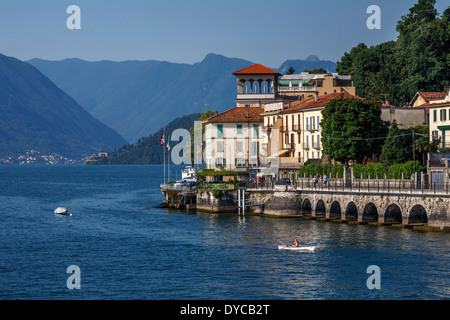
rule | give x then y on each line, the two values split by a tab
295	243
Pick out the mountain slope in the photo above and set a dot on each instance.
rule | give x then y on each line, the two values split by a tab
138	97
36	114
310	63
149	150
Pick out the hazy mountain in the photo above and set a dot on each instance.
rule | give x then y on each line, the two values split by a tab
37	115
137	97
310	63
148	150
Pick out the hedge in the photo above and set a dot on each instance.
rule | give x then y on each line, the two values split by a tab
372	170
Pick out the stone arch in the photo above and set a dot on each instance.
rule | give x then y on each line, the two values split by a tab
393	214
418	214
370	212
351	212
306	207
320	210
335	210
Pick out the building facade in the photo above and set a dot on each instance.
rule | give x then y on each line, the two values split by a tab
306	85
234	139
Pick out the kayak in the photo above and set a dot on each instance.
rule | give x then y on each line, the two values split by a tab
310	248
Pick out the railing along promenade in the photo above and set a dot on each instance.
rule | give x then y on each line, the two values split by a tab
357	185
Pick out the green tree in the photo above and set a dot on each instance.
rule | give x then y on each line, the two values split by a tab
290	71
351	128
423	46
419	60
374	70
395	149
423	145
316	71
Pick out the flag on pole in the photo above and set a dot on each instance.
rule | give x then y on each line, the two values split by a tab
162	140
168	146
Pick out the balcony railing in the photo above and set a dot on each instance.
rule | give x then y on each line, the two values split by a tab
311	128
297	89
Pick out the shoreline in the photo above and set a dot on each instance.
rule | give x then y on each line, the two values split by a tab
416	227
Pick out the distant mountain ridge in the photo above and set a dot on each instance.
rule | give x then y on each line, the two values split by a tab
310	63
137	97
37	115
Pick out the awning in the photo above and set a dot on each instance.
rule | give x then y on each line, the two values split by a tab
443	127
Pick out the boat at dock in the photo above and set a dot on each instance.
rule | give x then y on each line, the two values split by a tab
187	182
189	173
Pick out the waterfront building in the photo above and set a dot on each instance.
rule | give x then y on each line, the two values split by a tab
234	139
439	111
406	117
257	85
295	127
423	99
307	85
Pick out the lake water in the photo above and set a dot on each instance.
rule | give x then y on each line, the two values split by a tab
126	248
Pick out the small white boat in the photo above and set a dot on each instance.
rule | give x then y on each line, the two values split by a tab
61	211
308	248
189	173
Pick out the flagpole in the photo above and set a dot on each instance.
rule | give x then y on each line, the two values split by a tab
168	159
164	154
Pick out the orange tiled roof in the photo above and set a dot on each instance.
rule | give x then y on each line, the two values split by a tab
238	114
427	96
312	103
256	69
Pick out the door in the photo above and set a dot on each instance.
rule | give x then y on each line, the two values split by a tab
437	180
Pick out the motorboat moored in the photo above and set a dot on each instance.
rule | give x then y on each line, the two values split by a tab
61	211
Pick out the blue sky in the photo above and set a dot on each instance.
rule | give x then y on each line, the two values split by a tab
185	31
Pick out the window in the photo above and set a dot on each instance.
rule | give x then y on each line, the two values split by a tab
307	123
443	114
307	155
318	123
239	128
312	143
307	141
311	120
435	134
318	140
312	155
239	146
255	131
293	123
254	150
219	131
434	115
221	162
219	146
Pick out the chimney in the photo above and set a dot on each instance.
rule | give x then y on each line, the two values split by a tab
317	96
